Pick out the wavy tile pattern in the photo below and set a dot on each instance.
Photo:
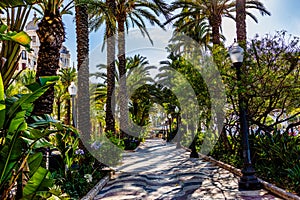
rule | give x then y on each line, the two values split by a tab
159	171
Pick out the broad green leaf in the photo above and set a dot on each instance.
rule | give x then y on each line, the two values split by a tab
2	103
18	123
41	143
3	28
14	3
25	102
21	38
35	134
44	79
10	156
34	162
40	181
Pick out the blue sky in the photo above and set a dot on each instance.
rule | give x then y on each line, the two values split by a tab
285	15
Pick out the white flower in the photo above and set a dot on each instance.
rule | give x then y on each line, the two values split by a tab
88	178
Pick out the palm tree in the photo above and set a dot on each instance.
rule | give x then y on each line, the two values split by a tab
241	21
137	74
135	11
128	13
67	75
104	13
16	17
83	97
51	34
213	11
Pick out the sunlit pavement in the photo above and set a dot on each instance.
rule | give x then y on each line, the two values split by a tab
157	170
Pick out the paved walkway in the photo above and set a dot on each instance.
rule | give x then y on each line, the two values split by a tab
160	171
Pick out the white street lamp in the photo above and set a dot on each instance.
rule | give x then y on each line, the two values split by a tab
72	89
248	181
236	53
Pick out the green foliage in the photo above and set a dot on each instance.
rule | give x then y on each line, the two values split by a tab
11	38
294	175
17	143
21	38
276	156
115	139
14	3
232	156
81	180
66	141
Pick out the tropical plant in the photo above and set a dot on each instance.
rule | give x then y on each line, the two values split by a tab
18	86
240	21
9	3
51	35
67	75
11	37
104	13
276	158
211	11
127	13
17	142
82	40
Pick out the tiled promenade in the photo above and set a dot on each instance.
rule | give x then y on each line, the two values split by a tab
157	170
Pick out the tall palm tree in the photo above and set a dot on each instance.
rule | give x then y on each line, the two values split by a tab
51	34
104	13
129	13
241	20
83	97
137	74
67	75
135	11
213	11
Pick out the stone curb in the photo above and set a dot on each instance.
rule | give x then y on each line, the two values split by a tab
268	186
93	192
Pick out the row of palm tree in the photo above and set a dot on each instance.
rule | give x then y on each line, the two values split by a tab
204	16
202	20
125	15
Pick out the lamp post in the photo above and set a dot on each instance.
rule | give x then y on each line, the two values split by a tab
170	127
166	128
72	89
176	110
248	181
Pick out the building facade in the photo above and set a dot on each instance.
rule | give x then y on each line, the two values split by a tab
28	60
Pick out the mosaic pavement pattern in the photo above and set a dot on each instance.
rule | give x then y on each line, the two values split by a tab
159	171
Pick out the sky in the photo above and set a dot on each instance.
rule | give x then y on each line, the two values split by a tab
285	15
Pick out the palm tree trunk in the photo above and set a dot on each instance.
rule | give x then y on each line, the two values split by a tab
83	96
122	76
241	21
215	22
67	119
51	34
110	101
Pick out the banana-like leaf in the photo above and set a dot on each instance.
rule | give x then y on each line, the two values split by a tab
17	123
44	79
25	102
3	28
42	82
14	3
23	39
34	161
10	155
2	103
40	181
